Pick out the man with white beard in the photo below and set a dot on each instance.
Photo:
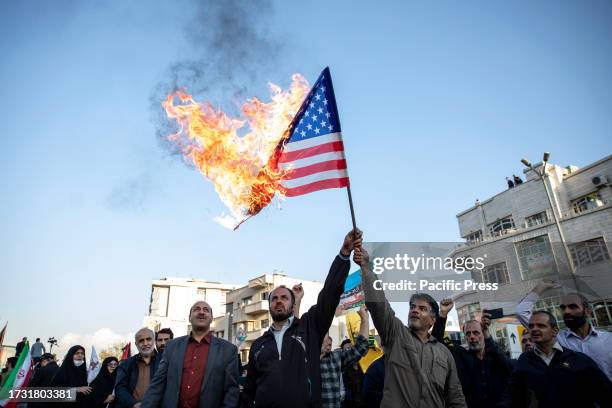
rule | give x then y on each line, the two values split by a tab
135	373
482	369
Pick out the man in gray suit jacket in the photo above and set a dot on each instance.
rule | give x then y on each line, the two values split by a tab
196	371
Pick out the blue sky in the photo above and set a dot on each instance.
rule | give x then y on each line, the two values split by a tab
438	103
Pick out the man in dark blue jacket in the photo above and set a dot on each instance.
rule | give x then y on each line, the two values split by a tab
374	383
135	373
553	376
283	369
482	369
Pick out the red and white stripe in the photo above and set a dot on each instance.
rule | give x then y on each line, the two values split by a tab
314	164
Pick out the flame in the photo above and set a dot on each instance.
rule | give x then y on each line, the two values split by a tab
242	168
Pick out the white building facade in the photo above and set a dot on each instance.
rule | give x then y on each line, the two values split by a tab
172	298
516	233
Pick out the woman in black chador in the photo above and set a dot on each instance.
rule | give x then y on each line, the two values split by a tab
73	374
102	386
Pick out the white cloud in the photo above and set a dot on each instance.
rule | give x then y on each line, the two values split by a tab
101	339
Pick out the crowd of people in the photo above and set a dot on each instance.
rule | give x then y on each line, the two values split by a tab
293	364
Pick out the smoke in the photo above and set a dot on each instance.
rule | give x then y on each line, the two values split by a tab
131	194
232	49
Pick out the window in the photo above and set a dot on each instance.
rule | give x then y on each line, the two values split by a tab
201	294
221	334
265	323
244	356
159	301
587	202
502	226
229	307
602	312
536	219
589	252
497	273
264	295
247	300
474	237
536	258
477	275
468	312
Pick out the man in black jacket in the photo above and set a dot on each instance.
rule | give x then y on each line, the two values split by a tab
135	373
553	376
44	372
283	369
43	375
482	369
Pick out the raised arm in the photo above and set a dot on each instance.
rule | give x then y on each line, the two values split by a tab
446	305
322	314
383	316
298	291
353	354
525	306
364	325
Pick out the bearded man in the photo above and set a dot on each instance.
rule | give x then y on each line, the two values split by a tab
579	335
283	369
482	369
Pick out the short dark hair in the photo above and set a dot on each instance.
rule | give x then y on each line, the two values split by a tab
38	339
12	361
47	356
435	310
552	320
165	330
345	341
583	299
284	287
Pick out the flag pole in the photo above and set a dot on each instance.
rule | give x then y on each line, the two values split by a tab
335	108
350	197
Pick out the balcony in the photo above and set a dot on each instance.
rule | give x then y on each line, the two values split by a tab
261	282
586	208
257	307
255	334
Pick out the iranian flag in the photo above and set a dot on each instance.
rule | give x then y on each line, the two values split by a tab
19	377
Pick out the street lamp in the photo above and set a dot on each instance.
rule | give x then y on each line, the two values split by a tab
542	176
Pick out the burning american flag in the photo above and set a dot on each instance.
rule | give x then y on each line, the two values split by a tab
294	145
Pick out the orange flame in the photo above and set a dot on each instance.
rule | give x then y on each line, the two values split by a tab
242	168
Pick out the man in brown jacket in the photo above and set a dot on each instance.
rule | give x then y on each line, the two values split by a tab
419	371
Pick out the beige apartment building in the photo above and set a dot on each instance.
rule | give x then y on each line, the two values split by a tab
247	315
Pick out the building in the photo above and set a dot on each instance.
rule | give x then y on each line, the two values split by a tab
171	299
5	353
516	233
247	316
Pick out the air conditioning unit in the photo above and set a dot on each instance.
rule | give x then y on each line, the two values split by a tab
600	180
